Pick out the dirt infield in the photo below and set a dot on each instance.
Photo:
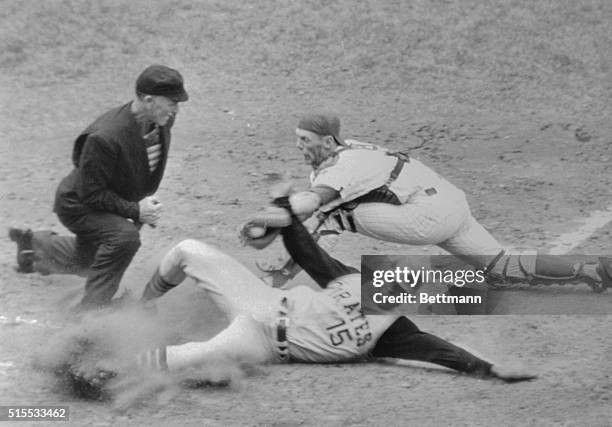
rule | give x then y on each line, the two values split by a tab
508	100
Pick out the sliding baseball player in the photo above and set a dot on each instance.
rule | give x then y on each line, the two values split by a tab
302	324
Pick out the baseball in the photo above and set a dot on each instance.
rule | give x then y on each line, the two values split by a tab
256	232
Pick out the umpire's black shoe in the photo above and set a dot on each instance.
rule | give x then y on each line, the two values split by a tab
25	254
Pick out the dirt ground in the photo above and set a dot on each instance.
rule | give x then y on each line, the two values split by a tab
510	100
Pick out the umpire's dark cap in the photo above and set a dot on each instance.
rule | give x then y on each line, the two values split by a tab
162	81
322	124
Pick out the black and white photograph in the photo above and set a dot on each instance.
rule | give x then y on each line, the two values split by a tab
306	213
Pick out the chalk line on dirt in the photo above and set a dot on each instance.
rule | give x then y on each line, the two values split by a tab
568	241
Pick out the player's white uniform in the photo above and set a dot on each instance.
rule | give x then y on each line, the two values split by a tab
433	211
323	325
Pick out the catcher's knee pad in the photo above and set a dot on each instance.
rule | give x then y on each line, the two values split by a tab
513	267
521	268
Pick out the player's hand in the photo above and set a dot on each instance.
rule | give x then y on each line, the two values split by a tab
263	227
512	373
150	211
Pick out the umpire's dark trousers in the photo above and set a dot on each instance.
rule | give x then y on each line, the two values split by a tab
101	249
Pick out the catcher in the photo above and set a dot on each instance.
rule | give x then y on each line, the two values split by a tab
301	324
390	196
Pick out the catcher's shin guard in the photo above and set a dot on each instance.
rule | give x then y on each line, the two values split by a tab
557	270
551	270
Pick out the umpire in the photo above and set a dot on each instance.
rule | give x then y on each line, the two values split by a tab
119	161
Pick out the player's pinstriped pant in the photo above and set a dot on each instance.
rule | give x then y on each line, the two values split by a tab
444	220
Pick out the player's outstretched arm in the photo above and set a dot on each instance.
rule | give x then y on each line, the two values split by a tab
315	261
404	340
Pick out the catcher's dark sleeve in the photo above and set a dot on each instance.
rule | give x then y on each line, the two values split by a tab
315	261
404	340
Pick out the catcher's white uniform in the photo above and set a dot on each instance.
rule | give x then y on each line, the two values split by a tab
323	325
431	209
390	196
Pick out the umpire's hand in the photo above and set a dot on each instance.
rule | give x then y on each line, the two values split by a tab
150	211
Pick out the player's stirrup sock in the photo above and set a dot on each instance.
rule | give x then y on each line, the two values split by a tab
152	360
156	287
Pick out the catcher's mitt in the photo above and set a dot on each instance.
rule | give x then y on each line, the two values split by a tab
261	230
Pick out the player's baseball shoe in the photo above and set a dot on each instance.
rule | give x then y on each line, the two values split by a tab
101	379
91	386
84	376
25	254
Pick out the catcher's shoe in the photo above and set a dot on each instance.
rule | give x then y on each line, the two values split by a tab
284	269
25	254
277	275
598	276
604	269
276	278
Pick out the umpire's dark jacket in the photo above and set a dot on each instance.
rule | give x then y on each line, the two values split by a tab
111	172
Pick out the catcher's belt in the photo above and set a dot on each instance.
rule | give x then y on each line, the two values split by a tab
282	323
